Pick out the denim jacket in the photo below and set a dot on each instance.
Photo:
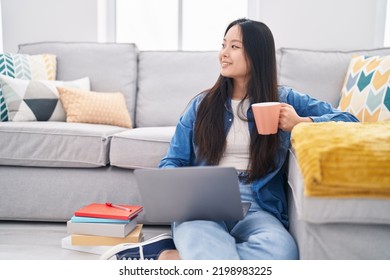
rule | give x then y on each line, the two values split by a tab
270	189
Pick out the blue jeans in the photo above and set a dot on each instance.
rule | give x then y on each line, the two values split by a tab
258	236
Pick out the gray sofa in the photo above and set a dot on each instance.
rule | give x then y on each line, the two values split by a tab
97	162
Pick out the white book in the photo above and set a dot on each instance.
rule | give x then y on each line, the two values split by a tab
101	229
66	243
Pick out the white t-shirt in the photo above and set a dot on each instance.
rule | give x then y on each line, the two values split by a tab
238	139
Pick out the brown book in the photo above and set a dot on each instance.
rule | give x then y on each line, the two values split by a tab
134	236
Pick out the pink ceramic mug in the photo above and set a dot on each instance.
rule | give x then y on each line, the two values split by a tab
266	117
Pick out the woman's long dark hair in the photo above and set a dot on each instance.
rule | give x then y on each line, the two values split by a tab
210	136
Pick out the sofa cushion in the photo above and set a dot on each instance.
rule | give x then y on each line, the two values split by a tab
111	67
27	67
36	100
334	210
55	144
140	147
83	106
366	89
319	73
168	81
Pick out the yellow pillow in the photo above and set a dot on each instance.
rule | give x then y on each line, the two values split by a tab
95	107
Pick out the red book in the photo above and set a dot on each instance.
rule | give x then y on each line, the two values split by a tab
100	210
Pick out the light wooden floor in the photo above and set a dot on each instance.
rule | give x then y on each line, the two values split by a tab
42	241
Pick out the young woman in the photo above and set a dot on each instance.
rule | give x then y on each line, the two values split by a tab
218	128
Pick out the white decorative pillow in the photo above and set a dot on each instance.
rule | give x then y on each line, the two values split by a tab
366	89
36	100
25	67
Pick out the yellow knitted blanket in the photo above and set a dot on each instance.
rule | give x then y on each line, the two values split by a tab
340	159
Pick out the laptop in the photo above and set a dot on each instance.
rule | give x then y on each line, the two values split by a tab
190	193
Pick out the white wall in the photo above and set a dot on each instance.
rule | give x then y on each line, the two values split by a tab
295	23
325	23
26	21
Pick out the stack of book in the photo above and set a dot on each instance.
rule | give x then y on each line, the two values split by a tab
97	227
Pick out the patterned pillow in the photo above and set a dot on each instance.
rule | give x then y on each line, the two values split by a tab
36	100
26	67
366	89
95	107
